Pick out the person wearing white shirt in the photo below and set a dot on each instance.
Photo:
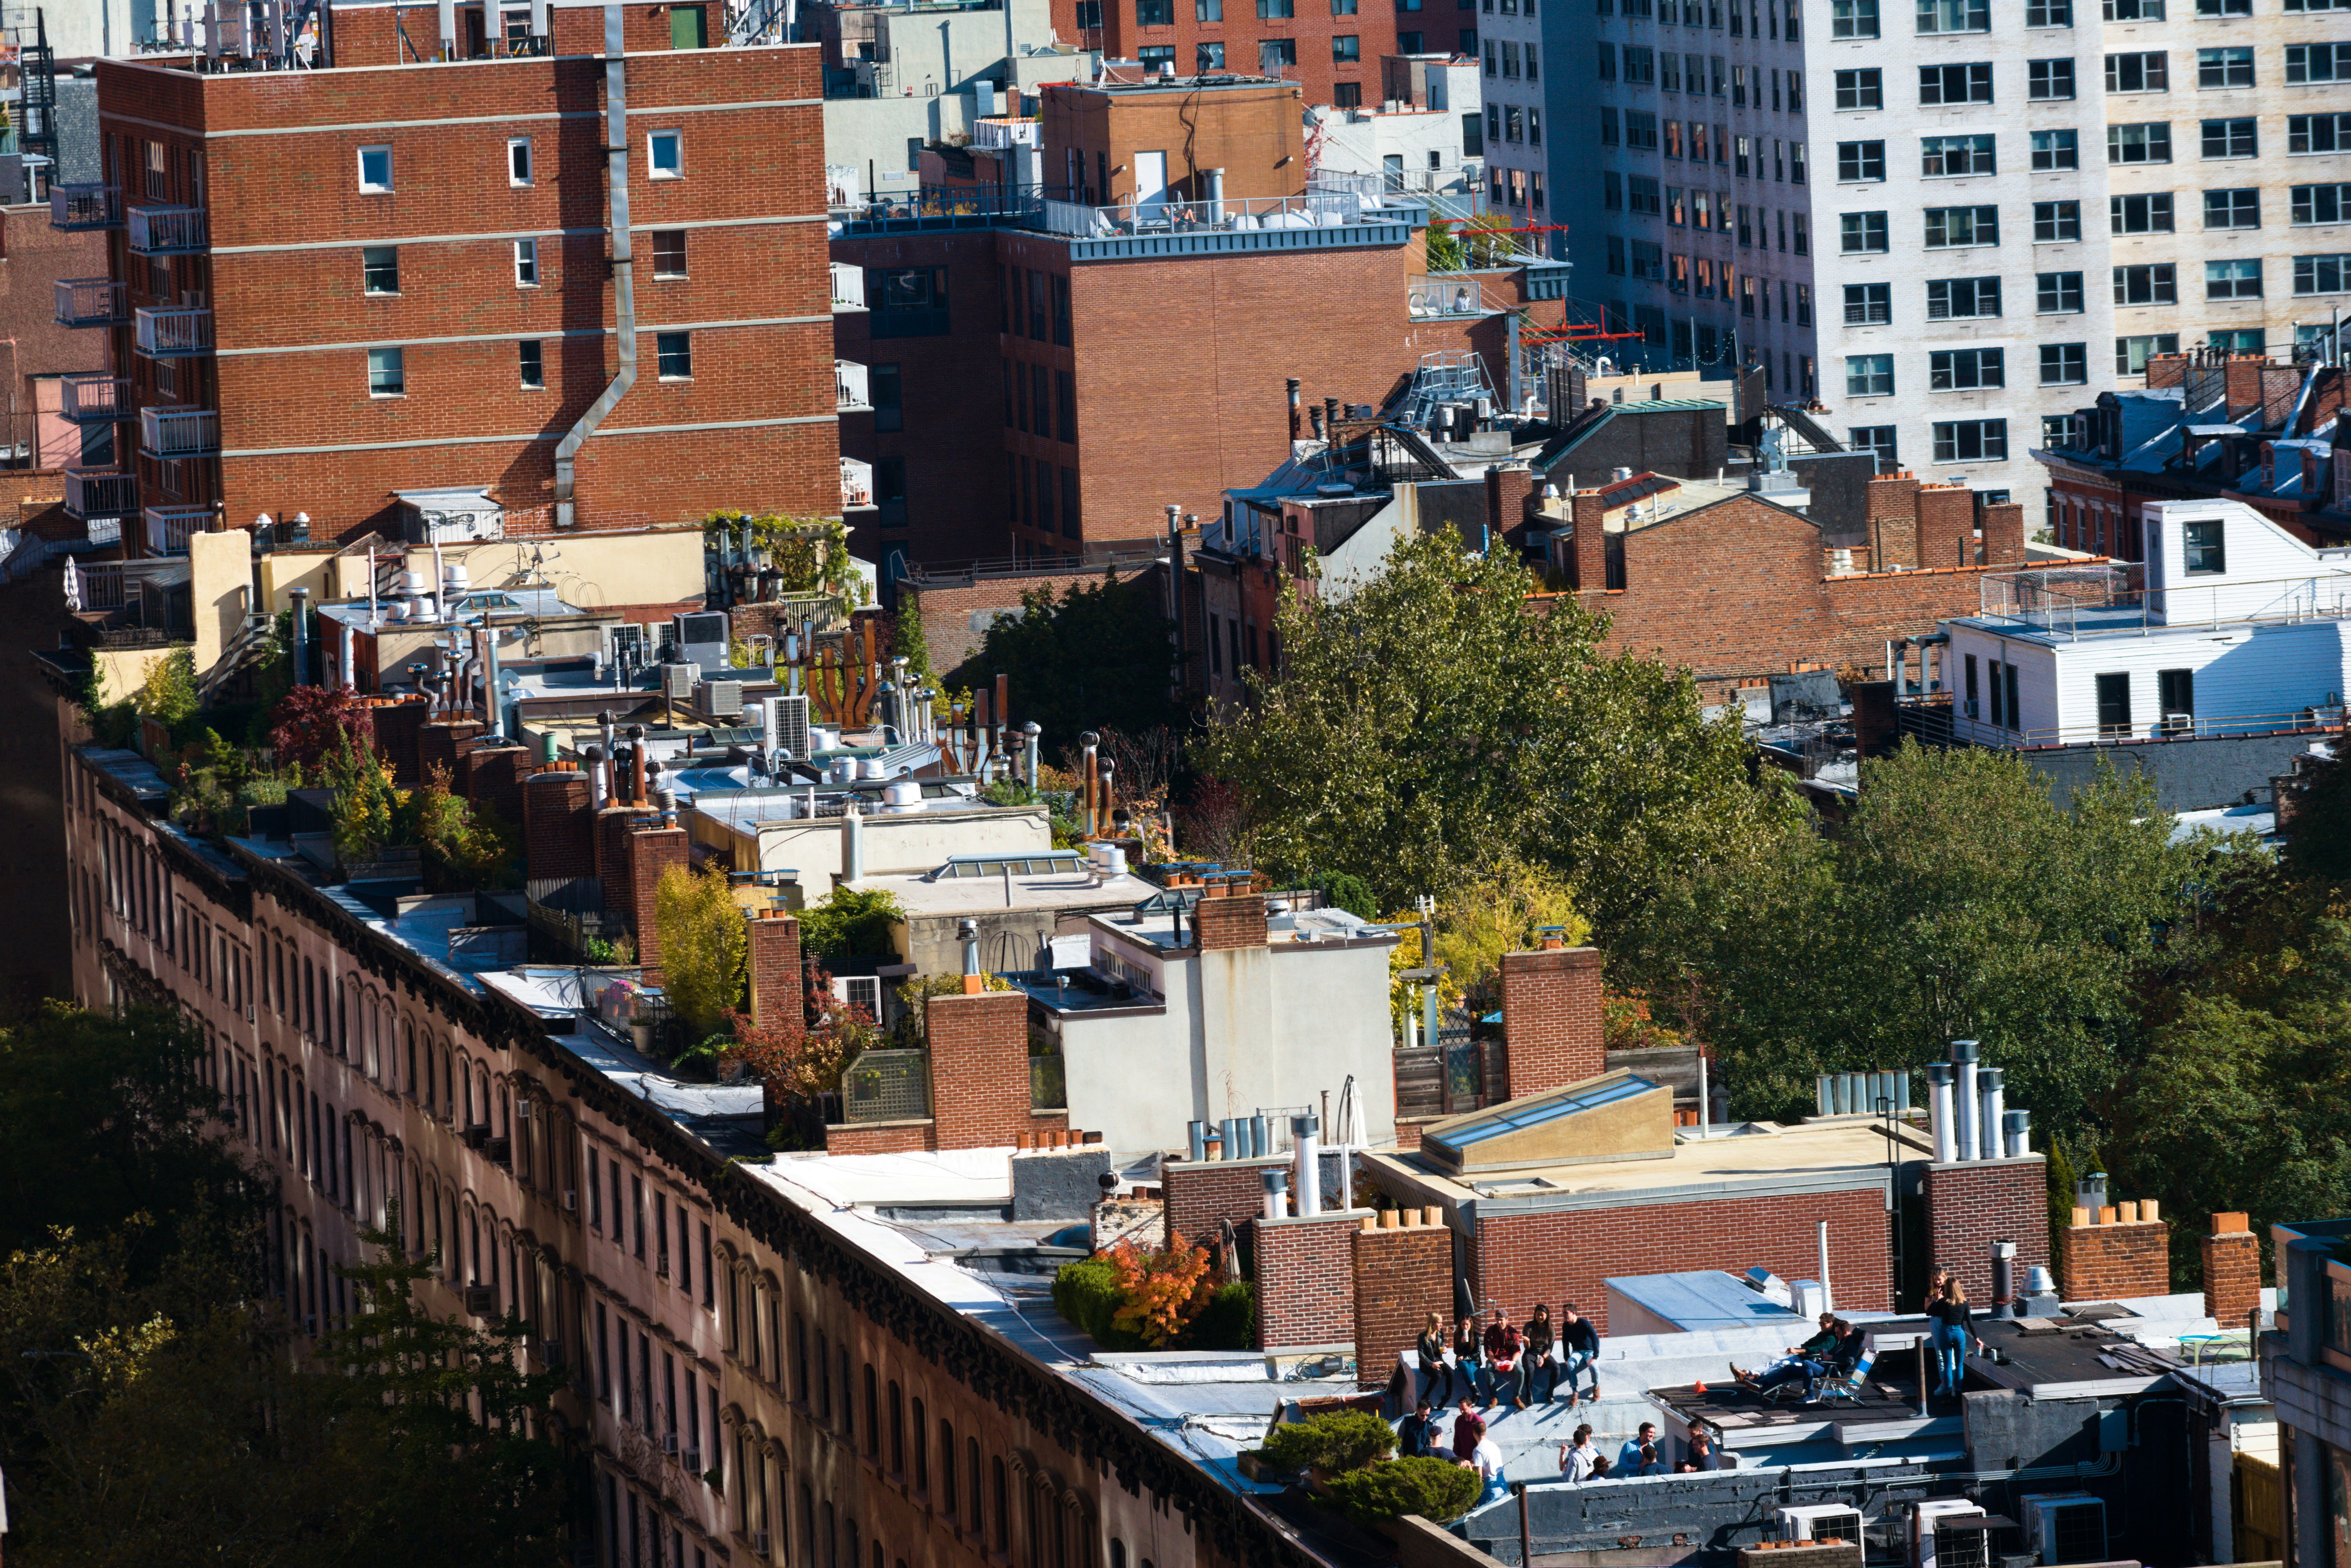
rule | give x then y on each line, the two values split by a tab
1488	1461
1579	1460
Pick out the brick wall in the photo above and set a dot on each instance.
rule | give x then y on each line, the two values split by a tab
1306	1279
1403	1273
1551	1018
440	742
956	615
883	1138
651	851
1565	1256
1199	1197
777	981
1974	1203
979	1069
2233	1269
2117	1253
558	825
1947	525
398	728
492	776
1238	920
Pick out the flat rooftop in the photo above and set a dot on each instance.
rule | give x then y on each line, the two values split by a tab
921	894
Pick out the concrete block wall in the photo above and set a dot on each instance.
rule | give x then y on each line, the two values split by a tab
1202	1194
1551	1018
1403	1271
1306	1279
2233	1269
2121	1250
1970	1203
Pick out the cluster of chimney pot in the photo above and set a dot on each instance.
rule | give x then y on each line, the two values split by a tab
1967	1110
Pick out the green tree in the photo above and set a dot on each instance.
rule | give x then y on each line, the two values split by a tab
1435	723
705	946
371	811
851	922
1097	657
169	693
2318	838
467	844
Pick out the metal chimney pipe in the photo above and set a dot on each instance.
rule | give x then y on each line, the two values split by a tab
595	759
301	600
1031	732
636	765
1828	1297
2016	1127
968	932
1305	1130
1964	1053
1196	1140
1992	1106
1277	1192
1938	1111
2003	1279
1232	1138
1293	398
1245	1138
1260	1136
852	852
1090	740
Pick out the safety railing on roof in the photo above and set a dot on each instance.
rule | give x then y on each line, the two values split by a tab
2114	600
1337	209
2317	719
1430	299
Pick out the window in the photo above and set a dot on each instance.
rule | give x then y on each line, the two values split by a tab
2064	364
1861	90
2048	12
1156	59
1607	61
1869	375
387	373
518	160
2055	150
2226	7
2155	284
2203	548
2175	690
2228	67
2148	143
1868	304
1946	157
1346	48
2307	63
2320	203
1640	64
2139	73
1875	438
526	259
2114	705
1848	18
1955	84
2320	274
1954	16
2316	133
2232	279
2057	431
1861	160
2048	80
906	301
673	352
2238	208
669	253
1283	10
1948	228
1640	130
2234	137
1274	55
2057	293
1860	234
2133	10
888	397
1207	57
534	369
380	268
1971	441
1966	370
665	153
1962	298
2131	354
1643	194
2147	215
2056	223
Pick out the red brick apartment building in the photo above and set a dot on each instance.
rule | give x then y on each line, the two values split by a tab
1051	375
373	271
1331	49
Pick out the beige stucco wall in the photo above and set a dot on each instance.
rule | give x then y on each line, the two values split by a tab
220	590
655	567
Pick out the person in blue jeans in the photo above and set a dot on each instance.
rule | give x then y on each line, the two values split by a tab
1467	1357
1578	1347
1951	1333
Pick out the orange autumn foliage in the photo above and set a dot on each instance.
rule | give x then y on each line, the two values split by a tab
1161	1292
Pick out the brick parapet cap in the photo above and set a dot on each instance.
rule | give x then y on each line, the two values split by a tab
1353	1217
1989	1165
1252	1162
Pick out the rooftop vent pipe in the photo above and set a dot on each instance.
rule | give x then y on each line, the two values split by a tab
301	598
1991	1107
969	931
2016	1128
596	778
1276	1193
1939	1110
1305	1130
624	293
1964	1055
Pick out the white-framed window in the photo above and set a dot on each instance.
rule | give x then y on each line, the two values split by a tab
665	154
673	356
518	171
525	254
387	372
534	364
375	169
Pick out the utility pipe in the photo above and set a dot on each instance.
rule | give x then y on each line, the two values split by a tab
624	292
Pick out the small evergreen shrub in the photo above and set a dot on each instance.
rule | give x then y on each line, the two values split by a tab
1432	1488
1229	1323
1341	1440
1087	1295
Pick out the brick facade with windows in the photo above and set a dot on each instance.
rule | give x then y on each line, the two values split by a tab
1187	30
1306	1279
1971	1203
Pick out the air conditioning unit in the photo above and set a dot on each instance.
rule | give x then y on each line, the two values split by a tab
498	1149
669	1442
522	1110
760	1542
1820	1521
702	637
477	1135
481	1300
678	681
720	699
1967	707
1932	1547
2065	1527
788	724
691	1459
2179	723
570	1200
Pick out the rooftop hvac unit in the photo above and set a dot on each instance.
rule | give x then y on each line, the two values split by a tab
702	637
678	681
788	724
1820	1521
1933	1544
719	699
2065	1527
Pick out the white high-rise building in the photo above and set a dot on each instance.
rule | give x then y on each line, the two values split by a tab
1944	219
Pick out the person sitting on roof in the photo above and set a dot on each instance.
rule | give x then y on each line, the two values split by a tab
1809	1361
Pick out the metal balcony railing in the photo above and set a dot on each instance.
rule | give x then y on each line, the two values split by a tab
100	492
95	399
168	528
169	231
856	485
1338	210
1428	299
848	287
91	302
179	432
168	334
852	387
79	207
1008	130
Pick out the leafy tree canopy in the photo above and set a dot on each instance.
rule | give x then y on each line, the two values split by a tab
1096	657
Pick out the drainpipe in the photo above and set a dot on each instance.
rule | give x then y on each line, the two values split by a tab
624	293
498	721
301	598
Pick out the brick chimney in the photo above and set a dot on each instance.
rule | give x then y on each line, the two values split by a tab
1509	488
1892	521
774	962
2003	533
2243	379
1235	920
979	1069
397	727
441	741
2166	369
2232	1271
1947	526
1589	559
1551	1018
491	775
2121	1250
559	829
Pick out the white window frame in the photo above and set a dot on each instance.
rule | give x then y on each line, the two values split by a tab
654	169
530	169
526	263
402	361
367	188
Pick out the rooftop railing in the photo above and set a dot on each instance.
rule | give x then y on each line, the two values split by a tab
2114	600
168	231
1335	210
856	485
169	528
100	492
2151	728
1008	130
1430	299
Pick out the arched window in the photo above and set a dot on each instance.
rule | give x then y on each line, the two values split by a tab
897	1430
1117	1552
948	1502
873	1415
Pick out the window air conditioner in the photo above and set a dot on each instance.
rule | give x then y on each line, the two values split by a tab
692	1461
480	1301
477	1135
669	1442
1968	707
2065	1527
760	1542
1932	1547
1820	1521
570	1200
498	1149
2179	723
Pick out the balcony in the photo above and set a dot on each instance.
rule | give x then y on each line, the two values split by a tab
851	391
74	208
99	493
999	132
856	485
169	231
91	302
173	334
168	528
1316	221
848	287
1432	298
95	399
179	432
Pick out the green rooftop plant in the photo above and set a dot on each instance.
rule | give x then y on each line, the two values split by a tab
1432	1488
1339	1441
704	945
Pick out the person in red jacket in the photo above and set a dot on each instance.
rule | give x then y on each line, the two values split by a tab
1504	1345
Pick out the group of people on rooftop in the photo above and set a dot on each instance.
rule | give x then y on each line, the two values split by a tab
1530	1361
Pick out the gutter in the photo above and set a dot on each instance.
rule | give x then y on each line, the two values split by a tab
624	292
